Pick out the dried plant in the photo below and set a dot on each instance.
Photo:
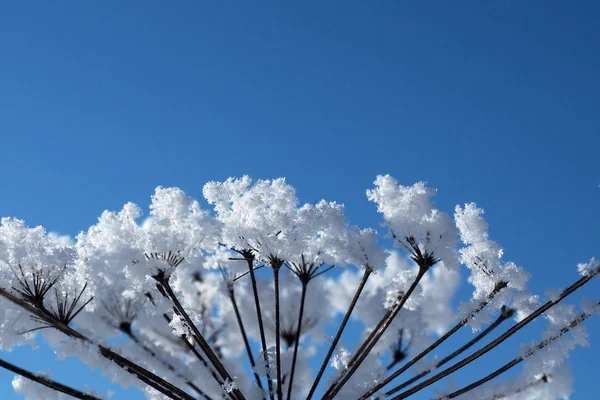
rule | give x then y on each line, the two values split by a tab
232	304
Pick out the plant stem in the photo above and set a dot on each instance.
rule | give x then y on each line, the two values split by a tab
515	328
203	361
369	338
212	357
338	335
263	341
139	372
517	360
170	367
521	389
359	351
49	383
244	336
277	332
499	286
297	343
194	351
368	347
502	317
144	375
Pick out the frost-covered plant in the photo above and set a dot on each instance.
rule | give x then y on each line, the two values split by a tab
193	293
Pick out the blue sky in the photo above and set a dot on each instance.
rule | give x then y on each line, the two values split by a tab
493	103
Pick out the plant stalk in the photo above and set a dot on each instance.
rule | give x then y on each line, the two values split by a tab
502	317
49	383
244	336
139	372
338	335
368	346
170	367
212	357
297	343
515	328
194	351
499	286
277	332
261	327
517	360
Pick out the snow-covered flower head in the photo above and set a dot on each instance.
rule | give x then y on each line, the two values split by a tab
31	248
178	223
413	221
254	215
264	217
121	247
480	254
362	249
319	233
483	256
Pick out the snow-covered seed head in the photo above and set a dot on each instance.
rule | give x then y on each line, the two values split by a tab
120	311
35	283
172	259
424	259
162	263
306	271
289	329
399	349
275	261
65	308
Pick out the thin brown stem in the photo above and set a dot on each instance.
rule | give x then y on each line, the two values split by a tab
515	328
517	360
499	286
212	357
244	336
338	335
195	352
297	342
367	349
144	375
170	367
49	383
240	276
277	332
505	314
369	338
250	260
139	372
543	379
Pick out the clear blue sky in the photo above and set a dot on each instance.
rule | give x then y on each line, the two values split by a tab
494	103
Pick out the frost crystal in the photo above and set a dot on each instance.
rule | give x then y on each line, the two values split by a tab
229	386
590	267
179	326
340	359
